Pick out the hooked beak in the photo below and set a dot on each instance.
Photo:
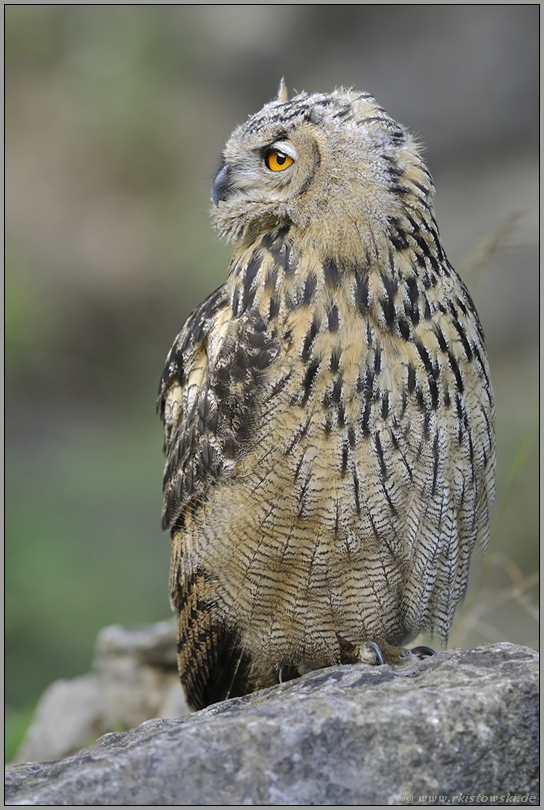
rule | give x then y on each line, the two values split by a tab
221	185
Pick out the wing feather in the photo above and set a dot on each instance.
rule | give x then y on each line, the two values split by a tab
188	411
211	398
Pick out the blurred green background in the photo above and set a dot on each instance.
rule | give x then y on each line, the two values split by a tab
115	118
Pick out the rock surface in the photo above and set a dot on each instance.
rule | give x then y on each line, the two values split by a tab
134	679
461	727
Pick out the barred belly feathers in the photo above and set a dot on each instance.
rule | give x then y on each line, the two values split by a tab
328	411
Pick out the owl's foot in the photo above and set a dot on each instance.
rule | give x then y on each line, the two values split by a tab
372	653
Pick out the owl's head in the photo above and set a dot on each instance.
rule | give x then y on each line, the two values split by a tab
335	166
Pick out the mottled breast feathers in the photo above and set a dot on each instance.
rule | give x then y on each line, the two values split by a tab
328	411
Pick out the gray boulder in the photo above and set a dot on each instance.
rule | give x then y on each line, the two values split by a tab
461	727
134	678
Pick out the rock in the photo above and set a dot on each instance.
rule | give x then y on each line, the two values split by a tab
134	679
460	727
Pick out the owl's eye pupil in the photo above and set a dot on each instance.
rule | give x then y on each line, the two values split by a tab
276	161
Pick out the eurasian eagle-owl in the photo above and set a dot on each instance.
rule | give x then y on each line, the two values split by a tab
328	410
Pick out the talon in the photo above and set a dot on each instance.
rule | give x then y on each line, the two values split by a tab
422	652
371	646
287	673
377	649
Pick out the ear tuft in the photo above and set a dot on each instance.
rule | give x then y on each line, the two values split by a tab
283	94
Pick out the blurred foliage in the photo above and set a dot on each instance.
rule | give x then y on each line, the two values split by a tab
115	117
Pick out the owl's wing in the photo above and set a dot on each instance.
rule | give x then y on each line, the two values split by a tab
209	397
209	401
189	413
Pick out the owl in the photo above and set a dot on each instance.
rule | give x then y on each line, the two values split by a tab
328	410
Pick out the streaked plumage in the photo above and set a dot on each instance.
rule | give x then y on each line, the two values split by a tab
328	411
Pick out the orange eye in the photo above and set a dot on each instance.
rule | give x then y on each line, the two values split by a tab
277	161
